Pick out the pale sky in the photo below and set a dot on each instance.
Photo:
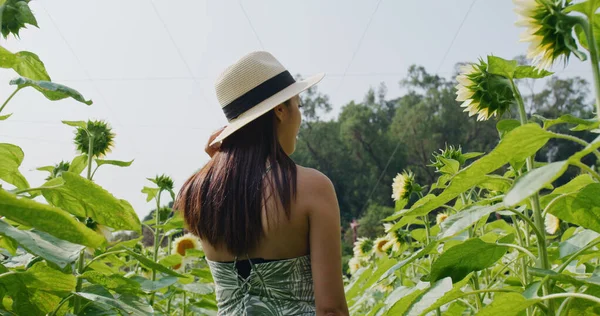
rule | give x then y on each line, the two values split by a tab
149	66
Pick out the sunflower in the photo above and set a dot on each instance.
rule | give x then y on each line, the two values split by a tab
440	218
393	238
403	185
483	93
102	138
548	30
552	223
354	264
182	244
362	247
379	245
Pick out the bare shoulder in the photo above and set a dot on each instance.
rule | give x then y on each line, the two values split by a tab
313	181
316	191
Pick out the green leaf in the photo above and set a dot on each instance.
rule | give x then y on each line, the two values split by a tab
581	208
82	197
203	274
80	124
404	300
78	164
174	222
197	288
519	144
462	259
588	7
151	264
506	304
595	144
52	91
4	117
472	155
451	166
42	277
151	192
563	278
118	163
531	72
49	219
505	126
449	296
534	181
495	183
7	58
171	260
577	242
464	219
11	157
149	286
29	65
114	282
572	186
366	280
118	304
433	294
416	255
502	67
589	124
10	245
44	245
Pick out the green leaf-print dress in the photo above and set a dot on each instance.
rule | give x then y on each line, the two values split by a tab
274	288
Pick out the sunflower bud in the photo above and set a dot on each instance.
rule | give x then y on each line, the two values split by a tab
483	93
102	136
164	182
59	168
548	30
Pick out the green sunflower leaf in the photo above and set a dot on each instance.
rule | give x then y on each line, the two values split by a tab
11	157
52	91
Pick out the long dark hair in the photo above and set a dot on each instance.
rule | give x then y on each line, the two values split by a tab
222	203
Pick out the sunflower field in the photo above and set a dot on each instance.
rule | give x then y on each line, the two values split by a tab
504	240
69	246
493	235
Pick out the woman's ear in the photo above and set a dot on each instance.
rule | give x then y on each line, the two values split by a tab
280	112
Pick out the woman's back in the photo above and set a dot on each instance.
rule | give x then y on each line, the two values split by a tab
270	229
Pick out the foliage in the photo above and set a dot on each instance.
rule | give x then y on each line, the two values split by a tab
77	252
515	236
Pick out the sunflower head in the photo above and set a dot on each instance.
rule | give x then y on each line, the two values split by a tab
15	16
394	237
440	218
483	93
404	185
552	223
59	168
102	136
362	247
379	246
354	264
549	30
182	244
164	182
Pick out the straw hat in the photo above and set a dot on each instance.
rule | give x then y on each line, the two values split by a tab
253	86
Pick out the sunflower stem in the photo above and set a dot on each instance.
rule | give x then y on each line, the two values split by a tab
586	168
543	261
156	239
588	29
79	284
90	156
14	92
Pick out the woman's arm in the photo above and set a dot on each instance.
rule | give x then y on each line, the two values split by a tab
325	246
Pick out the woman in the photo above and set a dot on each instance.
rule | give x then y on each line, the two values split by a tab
270	229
